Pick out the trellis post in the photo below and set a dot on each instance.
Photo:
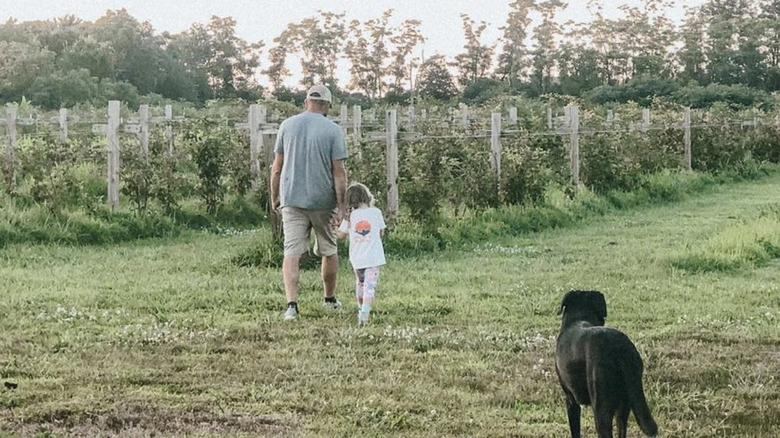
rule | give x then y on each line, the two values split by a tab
143	119
63	121
10	153
574	125
357	127
113	154
687	138
169	127
495	144
392	166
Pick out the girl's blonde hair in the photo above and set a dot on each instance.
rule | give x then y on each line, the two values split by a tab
357	194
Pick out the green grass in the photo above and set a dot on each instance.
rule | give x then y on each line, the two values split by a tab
751	243
172	337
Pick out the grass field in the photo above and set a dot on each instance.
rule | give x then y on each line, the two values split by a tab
169	338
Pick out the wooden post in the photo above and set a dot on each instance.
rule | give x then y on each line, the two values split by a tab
357	123
495	144
357	128
255	144
113	154
513	115
344	119
143	135
392	166
410	113
63	125
755	119
574	114
464	116
549	118
169	127
567	116
610	116
10	165
687	138
645	119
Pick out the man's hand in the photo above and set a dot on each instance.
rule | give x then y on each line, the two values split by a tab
276	174
336	217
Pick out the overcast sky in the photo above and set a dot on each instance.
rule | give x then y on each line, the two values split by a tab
265	19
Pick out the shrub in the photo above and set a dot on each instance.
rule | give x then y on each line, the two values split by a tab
210	143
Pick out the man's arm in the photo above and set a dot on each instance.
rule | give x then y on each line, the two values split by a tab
340	185
276	177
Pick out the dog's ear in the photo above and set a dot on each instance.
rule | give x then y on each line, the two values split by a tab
566	301
601	304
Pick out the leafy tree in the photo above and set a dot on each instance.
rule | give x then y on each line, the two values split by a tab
475	61
367	50
543	55
648	34
482	90
318	40
769	31
435	80
512	62
406	38
135	50
64	89
731	53
379	54
220	64
691	56
20	64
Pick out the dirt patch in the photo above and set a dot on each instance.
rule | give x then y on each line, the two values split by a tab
137	421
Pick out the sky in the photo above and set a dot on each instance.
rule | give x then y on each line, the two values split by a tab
265	19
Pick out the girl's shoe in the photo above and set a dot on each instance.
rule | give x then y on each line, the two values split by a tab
363	318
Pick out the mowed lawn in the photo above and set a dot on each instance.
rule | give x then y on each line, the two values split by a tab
169	338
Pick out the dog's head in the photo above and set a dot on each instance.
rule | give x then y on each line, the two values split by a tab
585	304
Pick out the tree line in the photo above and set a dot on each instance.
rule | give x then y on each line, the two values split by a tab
722	50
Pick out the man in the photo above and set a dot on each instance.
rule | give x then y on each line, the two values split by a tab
308	183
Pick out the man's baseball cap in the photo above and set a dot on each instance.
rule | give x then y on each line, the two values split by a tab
319	92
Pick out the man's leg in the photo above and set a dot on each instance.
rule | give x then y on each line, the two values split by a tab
330	270
326	247
290	274
296	243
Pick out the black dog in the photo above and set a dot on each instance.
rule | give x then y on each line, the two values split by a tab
599	366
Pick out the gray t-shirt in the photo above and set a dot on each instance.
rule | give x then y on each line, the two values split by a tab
310	144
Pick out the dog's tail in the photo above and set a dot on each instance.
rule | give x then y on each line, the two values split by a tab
632	373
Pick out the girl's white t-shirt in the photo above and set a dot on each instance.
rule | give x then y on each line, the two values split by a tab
365	242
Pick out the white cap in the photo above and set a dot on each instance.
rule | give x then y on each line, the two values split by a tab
319	92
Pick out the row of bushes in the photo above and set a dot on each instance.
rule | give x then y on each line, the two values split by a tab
454	174
439	176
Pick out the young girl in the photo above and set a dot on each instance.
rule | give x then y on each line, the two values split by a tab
365	227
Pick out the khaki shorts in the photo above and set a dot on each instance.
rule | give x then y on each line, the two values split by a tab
297	224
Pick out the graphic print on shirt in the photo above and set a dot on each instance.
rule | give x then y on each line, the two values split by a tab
363	228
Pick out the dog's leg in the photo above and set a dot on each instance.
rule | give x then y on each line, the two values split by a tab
622	422
573	410
603	415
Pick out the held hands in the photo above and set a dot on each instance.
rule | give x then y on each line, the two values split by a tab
337	216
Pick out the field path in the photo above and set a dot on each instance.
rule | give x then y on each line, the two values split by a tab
168	337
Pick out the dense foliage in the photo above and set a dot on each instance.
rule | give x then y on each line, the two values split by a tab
721	51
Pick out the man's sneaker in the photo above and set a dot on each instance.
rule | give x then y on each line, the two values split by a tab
363	318
332	305
290	314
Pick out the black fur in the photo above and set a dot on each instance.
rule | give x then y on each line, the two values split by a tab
600	367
